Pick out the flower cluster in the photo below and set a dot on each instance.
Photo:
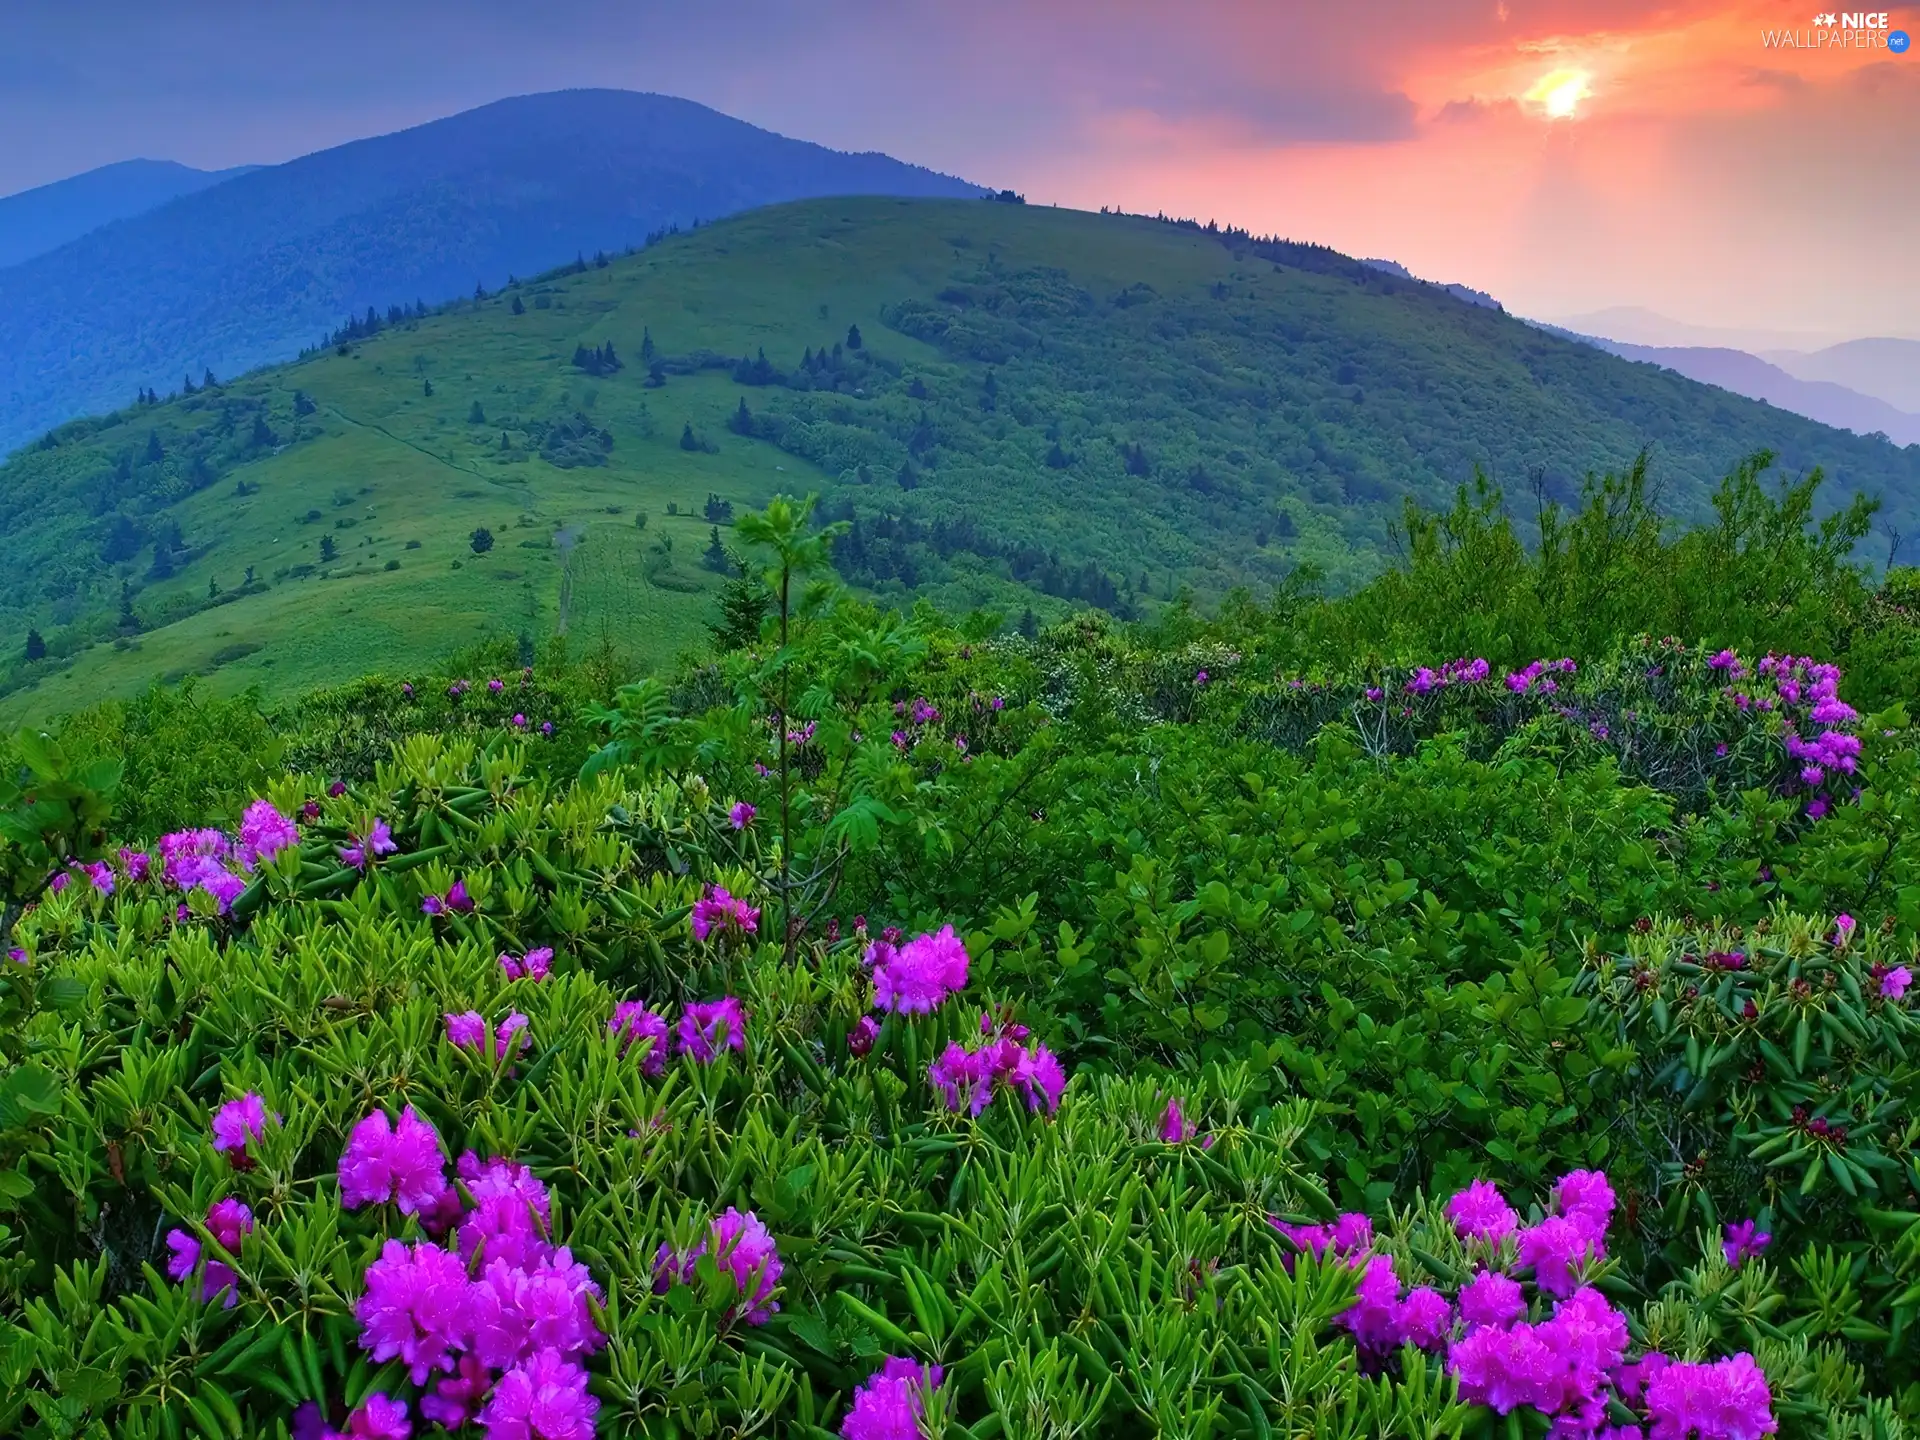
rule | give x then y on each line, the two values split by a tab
196	860
227	1221
264	834
362	849
1809	696
727	916
534	965
1426	679
890	1404
916	977
494	1323
237	1122
743	1250
455	902
967	1079
469	1031
1539	676
703	1031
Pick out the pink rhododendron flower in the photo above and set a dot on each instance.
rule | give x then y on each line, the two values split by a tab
707	1029
380	1417
633	1021
401	1163
516	1312
1175	1128
1553	1248
1742	1241
1481	1212
264	833
728	915
1894	983
1491	1298
534	965
889	1405
917	977
544	1399
456	1400
1726	1400
376	842
237	1122
742	1247
415	1309
741	815
228	1221
1587	1199
861	1037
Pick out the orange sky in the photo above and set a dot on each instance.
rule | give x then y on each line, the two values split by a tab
1696	172
1692	170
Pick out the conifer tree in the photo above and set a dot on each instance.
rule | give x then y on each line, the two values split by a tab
36	646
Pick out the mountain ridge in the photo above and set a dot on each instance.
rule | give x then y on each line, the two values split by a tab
245	273
45	217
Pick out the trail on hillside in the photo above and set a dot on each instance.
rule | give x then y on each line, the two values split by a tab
451	464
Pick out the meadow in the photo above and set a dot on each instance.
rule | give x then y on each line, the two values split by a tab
1270	1019
1045	410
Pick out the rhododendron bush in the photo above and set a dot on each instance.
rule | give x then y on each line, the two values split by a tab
896	1031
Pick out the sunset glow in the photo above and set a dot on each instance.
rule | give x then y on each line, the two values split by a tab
1559	95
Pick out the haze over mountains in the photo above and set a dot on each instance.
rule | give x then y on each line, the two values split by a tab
35	221
249	271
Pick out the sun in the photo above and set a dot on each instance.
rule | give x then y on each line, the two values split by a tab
1559	94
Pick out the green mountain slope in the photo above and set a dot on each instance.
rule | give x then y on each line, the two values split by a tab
1043	404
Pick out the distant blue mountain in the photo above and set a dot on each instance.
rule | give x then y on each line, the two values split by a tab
36	221
248	271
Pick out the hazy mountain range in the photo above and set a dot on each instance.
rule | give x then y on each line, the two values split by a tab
35	221
249	270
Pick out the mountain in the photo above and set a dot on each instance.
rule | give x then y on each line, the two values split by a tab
248	272
33	222
1011	406
1636	325
1459	292
1749	375
1887	369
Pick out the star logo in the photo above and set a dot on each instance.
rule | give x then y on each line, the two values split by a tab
1827	19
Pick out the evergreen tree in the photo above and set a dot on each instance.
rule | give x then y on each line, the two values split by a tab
715	555
745	601
479	292
476	416
853	337
213	588
36	646
128	620
329	551
646	345
656	375
426	387
207	382
687	441
154	453
262	436
918	389
599	259
1058	458
990	393
518	308
186	385
908	477
505	444
742	421
481	541
1029	626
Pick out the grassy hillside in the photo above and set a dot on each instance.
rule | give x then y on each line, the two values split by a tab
1047	408
249	272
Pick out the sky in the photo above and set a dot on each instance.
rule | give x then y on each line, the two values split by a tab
1567	156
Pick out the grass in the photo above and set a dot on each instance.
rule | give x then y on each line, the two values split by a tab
1288	408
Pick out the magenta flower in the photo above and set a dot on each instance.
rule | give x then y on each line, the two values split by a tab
1348	1235
402	1164
227	1222
456	1400
727	914
1843	926
1742	1241
519	722
861	1037
916	978
707	1029
963	1077
1374	1317
742	1246
1037	1076
136	863
890	1403
1726	1400
534	965
512	1214
1481	1212
544	1399
1587	1199
458	901
415	1309
1175	1128
1200	678
495	686
741	815
1491	1298
1894	983
1553	1248
376	842
468	1031
379	1417
1425	1318
634	1021
517	1312
264	833
237	1122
